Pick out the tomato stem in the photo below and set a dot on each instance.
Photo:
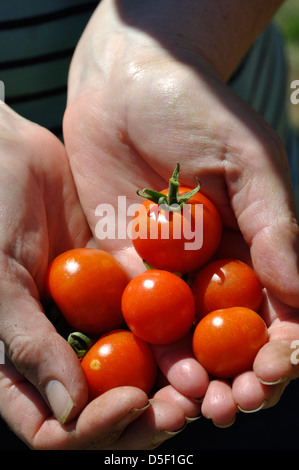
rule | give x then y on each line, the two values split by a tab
148	266
80	343
173	190
171	201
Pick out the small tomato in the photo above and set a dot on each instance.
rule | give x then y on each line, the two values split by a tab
226	283
118	359
177	229
158	306
87	285
226	341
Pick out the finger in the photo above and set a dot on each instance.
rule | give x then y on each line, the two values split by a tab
248	392
191	408
251	395
22	406
264	204
181	369
218	404
160	422
40	354
278	360
98	426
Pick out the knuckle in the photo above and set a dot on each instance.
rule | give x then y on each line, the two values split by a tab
21	351
26	353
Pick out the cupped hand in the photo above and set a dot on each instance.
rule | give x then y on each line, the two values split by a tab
139	103
43	392
275	364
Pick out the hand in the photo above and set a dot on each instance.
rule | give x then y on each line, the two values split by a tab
40	217
141	98
273	368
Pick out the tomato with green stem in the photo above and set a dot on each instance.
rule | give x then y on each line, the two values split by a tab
226	341
158	306
226	283
177	229
87	285
118	359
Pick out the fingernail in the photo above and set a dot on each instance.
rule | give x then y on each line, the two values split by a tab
191	420
279	381
59	400
276	382
197	400
174	433
138	410
223	426
164	435
255	410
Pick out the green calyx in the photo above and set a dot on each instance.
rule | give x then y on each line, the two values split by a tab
80	343
171	201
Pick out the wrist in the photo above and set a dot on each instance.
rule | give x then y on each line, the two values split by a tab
221	32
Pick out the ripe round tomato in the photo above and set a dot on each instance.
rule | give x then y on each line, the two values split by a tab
226	341
87	284
158	307
226	283
119	358
176	240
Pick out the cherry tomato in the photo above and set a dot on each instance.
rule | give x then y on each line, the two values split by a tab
117	359
158	307
226	341
226	283
87	285
176	240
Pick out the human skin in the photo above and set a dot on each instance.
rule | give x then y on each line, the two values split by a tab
138	104
147	88
43	392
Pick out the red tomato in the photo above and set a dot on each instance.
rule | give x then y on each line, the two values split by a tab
177	241
117	359
226	283
226	341
158	307
87	284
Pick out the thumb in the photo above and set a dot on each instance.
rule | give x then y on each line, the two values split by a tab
264	204
41	355
278	360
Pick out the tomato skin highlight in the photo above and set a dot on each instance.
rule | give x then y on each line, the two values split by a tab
118	359
158	307
170	254
226	341
87	284
226	283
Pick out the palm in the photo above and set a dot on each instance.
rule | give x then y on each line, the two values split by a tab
117	148
42	217
35	174
105	169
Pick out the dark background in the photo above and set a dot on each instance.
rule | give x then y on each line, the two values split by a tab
271	429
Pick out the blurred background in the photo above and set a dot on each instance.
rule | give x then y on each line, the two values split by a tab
287	19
